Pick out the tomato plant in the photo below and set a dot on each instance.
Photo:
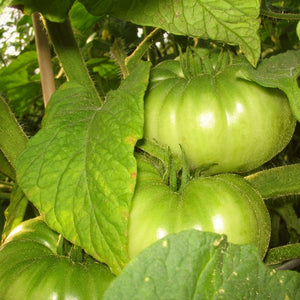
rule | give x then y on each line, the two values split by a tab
32	267
86	115
219	119
223	203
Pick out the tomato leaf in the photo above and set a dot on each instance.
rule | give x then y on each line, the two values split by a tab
19	84
280	71
82	22
201	265
79	170
232	22
276	182
16	74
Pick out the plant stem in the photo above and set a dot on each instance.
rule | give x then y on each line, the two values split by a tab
281	16
266	10
68	52
132	60
44	58
119	54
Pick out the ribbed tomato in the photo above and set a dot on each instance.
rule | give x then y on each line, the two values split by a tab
224	203
31	268
219	119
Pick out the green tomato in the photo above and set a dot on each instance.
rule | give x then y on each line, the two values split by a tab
31	268
219	119
224	203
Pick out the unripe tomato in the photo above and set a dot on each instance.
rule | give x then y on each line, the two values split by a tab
31	269
224	203
220	120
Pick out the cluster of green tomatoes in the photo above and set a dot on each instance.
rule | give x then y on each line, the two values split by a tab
225	126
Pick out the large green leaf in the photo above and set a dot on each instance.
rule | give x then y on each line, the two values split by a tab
80	171
201	265
229	21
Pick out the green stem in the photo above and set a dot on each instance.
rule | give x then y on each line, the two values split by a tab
158	151
119	54
289	215
68	52
132	60
60	245
281	16
266	10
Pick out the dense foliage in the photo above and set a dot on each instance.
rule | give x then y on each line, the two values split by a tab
81	103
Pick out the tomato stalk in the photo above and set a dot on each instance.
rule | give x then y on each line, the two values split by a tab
269	10
118	52
128	63
132	60
176	172
68	52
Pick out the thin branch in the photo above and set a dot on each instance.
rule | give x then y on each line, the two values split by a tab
270	11
132	60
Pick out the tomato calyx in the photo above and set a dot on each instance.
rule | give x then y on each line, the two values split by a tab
197	61
174	171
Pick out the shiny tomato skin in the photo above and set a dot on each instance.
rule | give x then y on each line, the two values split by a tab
221	120
223	203
31	269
